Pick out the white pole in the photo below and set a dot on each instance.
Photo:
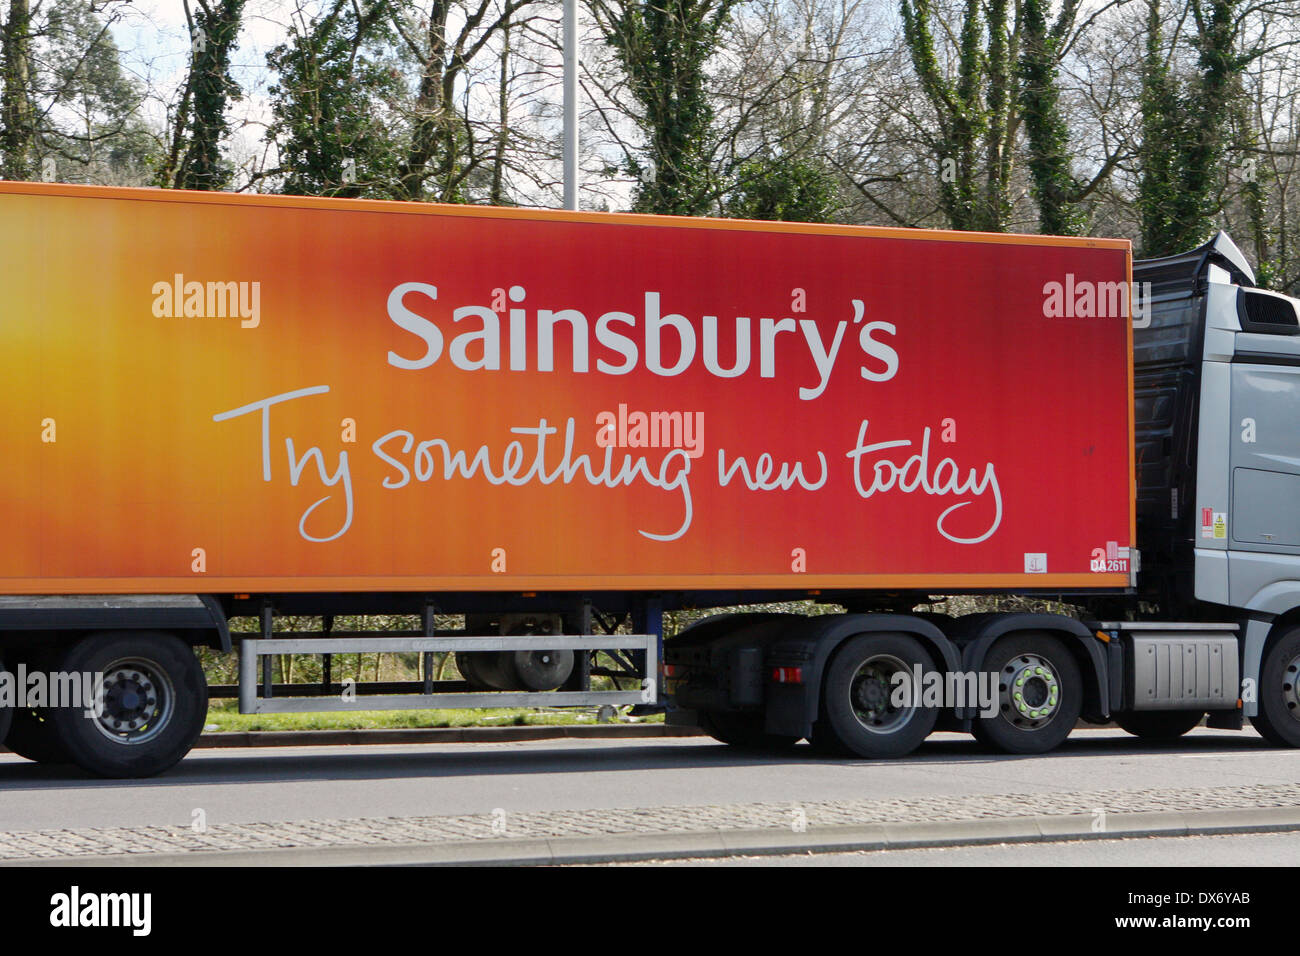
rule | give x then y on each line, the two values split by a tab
570	104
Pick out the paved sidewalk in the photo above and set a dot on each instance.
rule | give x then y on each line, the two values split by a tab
611	834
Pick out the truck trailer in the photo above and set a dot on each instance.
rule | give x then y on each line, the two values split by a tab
558	426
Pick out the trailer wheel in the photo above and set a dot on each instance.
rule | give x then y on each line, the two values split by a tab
858	705
30	734
1159	724
516	670
487	670
155	700
542	670
1040	694
1278	720
467	664
744	731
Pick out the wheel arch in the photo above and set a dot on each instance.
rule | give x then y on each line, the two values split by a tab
197	619
814	640
1260	632
1278	627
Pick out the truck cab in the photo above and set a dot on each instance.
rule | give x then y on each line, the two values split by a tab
1217	386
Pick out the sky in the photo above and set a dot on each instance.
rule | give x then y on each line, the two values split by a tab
153	38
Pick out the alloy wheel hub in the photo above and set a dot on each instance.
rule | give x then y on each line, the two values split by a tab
1031	691
871	695
137	701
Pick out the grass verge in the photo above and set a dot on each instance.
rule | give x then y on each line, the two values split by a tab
224	716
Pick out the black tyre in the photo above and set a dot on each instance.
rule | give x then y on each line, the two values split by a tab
483	670
859	706
1278	720
542	670
496	669
467	663
155	701
1160	724
824	742
31	734
743	731
1040	694
516	670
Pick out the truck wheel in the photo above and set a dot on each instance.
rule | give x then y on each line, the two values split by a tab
857	700
32	735
824	743
1278	720
1040	694
467	664
542	670
743	731
496	670
155	701
482	670
1160	724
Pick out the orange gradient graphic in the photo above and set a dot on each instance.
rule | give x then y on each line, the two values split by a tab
143	468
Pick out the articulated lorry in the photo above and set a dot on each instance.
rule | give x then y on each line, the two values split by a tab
557	426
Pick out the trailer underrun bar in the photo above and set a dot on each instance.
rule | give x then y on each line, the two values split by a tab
255	699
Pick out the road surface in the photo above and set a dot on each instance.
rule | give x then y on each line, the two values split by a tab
348	797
